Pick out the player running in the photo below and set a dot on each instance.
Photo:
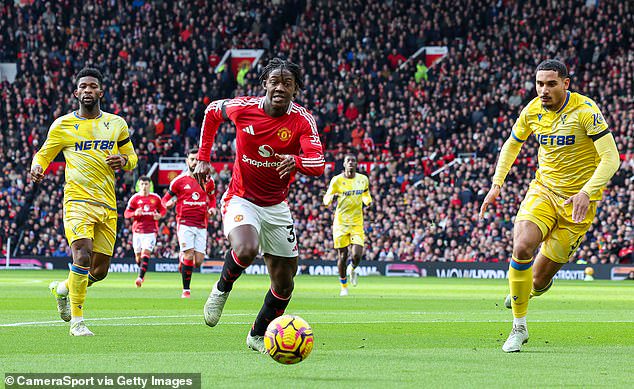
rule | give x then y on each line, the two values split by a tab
145	209
193	207
352	190
271	133
577	158
95	145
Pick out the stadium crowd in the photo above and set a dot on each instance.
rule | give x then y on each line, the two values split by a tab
431	135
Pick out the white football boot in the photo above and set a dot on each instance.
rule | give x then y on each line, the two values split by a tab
353	275
214	306
517	337
256	343
63	302
79	329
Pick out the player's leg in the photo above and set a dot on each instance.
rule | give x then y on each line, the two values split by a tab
144	263
188	258
241	224
526	238
357	238
279	245
78	283
244	242
282	270
103	246
561	244
341	241
543	273
146	246
342	261
136	246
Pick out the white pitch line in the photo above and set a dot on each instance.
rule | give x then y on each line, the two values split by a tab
61	323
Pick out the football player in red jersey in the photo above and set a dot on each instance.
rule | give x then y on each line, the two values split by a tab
145	209
193	207
275	139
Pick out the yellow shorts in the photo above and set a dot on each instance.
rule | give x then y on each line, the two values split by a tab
343	235
91	221
560	235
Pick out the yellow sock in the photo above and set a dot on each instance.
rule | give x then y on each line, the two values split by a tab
91	279
344	282
521	283
77	284
535	293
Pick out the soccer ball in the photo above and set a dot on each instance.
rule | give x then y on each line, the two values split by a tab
289	339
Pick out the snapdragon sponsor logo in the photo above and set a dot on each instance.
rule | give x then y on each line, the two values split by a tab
195	203
255	163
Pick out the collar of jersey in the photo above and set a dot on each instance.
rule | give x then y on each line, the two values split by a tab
81	118
565	102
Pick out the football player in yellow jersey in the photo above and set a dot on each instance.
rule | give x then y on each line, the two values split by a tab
95	144
353	191
577	157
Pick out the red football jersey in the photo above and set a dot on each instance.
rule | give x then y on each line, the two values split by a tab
144	223
192	202
258	138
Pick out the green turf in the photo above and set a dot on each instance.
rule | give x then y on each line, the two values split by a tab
390	332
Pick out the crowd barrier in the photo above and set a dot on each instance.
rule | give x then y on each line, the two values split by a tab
322	268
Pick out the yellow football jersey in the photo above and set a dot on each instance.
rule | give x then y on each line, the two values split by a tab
86	143
567	156
352	194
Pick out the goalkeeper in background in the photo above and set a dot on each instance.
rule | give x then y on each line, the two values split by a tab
95	145
353	191
577	157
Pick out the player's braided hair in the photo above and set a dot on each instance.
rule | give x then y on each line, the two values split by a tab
278	63
90	72
555	65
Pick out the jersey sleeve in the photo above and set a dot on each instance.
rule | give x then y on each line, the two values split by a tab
366	197
210	189
331	192
215	114
125	147
131	207
521	130
592	121
51	147
160	207
311	162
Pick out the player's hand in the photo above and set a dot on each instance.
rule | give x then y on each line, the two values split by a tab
116	161
202	173
287	164
212	211
156	215
37	174
138	211
580	203
493	194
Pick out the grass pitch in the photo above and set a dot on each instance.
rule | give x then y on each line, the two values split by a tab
390	332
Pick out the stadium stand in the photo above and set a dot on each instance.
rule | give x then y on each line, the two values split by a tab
433	138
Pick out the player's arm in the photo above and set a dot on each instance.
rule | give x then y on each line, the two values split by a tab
331	192
169	199
606	148
366	197
215	114
311	162
210	189
51	147
130	210
161	208
597	129
510	150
